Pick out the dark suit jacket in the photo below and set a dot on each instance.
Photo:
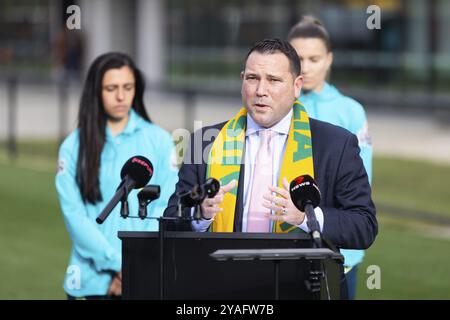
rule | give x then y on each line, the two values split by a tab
349	213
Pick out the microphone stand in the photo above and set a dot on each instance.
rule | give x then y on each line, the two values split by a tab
190	198
161	258
179	217
124	208
120	195
198	212
313	224
316	272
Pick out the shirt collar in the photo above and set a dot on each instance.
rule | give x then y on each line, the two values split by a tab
133	122
282	127
132	125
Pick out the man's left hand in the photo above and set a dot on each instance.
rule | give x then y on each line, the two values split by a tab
282	204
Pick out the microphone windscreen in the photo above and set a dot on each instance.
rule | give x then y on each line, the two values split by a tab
150	192
212	187
139	169
304	189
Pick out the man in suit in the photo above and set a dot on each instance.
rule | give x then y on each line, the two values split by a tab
270	142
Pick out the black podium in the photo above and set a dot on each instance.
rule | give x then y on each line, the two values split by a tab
191	271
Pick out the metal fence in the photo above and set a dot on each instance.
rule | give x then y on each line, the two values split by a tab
47	110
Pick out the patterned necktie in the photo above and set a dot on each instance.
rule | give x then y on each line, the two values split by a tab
262	179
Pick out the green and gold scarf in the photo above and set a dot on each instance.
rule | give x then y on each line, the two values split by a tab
225	157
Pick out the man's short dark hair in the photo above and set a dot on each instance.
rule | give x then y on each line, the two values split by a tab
272	46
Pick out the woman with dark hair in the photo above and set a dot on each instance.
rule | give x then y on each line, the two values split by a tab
324	102
112	127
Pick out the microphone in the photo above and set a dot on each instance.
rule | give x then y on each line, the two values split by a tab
135	174
207	190
211	187
197	194
145	196
305	195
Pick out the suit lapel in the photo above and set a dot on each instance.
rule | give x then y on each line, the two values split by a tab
239	210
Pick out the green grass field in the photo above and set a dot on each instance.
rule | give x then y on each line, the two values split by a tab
414	260
34	244
413	256
412	185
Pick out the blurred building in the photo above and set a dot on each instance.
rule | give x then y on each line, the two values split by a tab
192	52
202	43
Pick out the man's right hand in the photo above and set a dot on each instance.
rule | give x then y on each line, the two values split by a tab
210	206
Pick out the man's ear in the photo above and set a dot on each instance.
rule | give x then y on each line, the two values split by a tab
298	84
242	75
